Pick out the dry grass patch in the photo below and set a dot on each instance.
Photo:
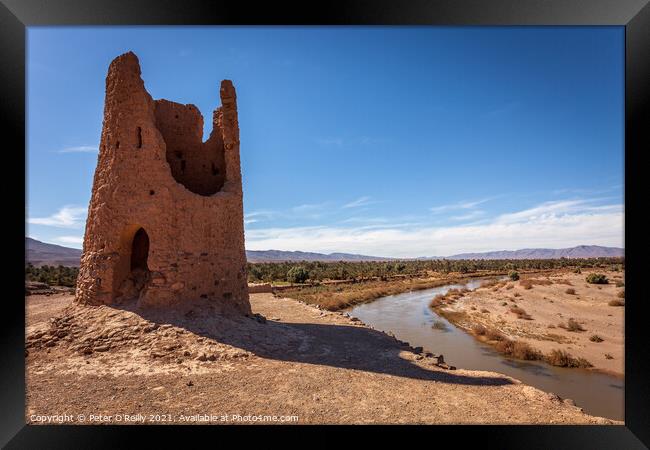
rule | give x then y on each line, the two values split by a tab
530	282
570	291
521	313
453	316
616	303
560	358
519	350
336	297
596	338
573	325
479	329
489	334
439	325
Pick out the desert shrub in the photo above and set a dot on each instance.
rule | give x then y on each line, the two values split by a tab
454	316
521	313
596	338
597	278
517	310
561	358
522	350
505	346
620	284
439	325
479	329
577	270
513	275
494	335
297	274
574	326
518	349
438	300
516	294
504	304
621	294
571	291
616	303
608	356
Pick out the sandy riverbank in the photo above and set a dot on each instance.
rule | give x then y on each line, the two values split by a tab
548	311
320	366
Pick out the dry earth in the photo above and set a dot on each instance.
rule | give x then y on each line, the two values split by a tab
320	366
550	307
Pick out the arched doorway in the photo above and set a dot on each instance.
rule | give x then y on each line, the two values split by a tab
140	250
132	272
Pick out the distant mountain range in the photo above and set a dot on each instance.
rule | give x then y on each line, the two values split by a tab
581	251
280	255
39	253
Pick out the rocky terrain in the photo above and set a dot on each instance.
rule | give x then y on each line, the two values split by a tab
99	364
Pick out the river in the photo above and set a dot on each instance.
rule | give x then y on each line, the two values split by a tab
410	319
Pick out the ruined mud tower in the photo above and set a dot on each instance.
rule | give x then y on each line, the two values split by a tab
165	223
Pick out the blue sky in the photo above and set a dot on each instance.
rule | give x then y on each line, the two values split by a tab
389	141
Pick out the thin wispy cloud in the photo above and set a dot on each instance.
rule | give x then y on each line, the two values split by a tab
67	217
466	204
558	208
361	201
79	149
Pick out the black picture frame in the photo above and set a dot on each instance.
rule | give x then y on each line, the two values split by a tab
634	15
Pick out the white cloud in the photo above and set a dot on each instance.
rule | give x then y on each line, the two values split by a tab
475	214
75	241
554	208
466	204
551	225
80	149
361	201
66	217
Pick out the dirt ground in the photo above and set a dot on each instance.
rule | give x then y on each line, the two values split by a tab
299	365
550	307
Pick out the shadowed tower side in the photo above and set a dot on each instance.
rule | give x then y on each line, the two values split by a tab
165	222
